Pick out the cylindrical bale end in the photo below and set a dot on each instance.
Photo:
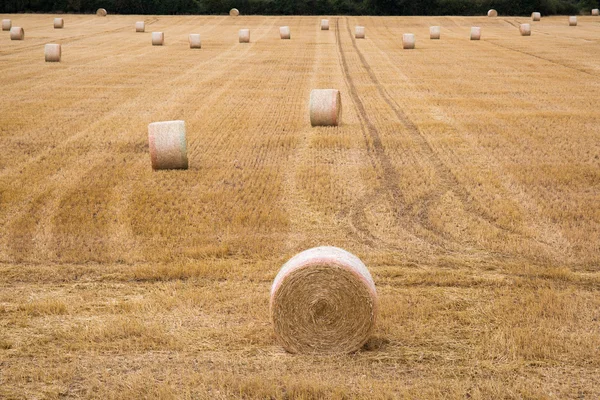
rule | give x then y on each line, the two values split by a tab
595	12
6	24
284	32
158	38
492	13
434	32
17	33
325	107
536	16
167	144
408	41
323	300
525	29
52	52
234	12
324	24
359	32
573	20
59	23
101	12
244	35
475	33
195	42
140	26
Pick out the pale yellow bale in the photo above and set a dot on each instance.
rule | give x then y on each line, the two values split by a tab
408	41
359	32
101	12
167	145
595	12
59	23
52	52
572	20
284	32
244	35
195	42
140	26
17	33
525	29
324	24
325	107
492	13
434	32
234	12
6	24
536	16
475	33
158	38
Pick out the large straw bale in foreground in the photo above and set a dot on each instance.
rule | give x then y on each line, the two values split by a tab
158	38
59	23
52	52
323	300
17	33
359	32
195	42
573	20
167	143
284	32
244	35
325	107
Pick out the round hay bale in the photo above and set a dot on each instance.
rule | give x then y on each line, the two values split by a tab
158	38
234	12
195	42
52	52
101	12
595	12
324	24
525	29
359	32
17	33
284	32
475	33
168	147
536	16
408	41
572	20
140	26
434	32
323	300
492	13
325	107
59	23
6	24
244	35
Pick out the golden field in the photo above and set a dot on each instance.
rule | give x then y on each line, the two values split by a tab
465	174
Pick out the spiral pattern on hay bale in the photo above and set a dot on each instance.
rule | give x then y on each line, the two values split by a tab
195	42
234	12
408	41
536	16
325	107
284	32
59	23
6	24
492	13
167	144
158	38
525	29
475	33
434	32
244	35
52	52
359	32
140	26
17	33
572	20
101	12
324	24
323	300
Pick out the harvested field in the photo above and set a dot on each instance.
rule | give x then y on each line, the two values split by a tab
465	175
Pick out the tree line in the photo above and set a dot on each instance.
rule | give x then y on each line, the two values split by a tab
305	7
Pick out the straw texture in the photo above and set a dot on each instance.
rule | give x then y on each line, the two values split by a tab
158	38
536	16
234	12
195	42
167	143
323	300
59	23
284	32
572	20
408	41
140	26
52	52
525	29
244	35
17	33
6	24
324	24
595	12
475	33
434	32
359	32
492	13
101	12
325	107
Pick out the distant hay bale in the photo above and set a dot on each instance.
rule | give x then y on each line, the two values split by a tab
408	41
17	33
324	24
101	12
6	24
284	32
572	20
244	35
475	33
158	38
234	12
167	144
434	32
525	29
195	42
325	107
492	13
595	12
59	23
359	32
323	300
52	52
536	16
140	26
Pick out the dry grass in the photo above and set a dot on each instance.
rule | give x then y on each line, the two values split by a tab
466	175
